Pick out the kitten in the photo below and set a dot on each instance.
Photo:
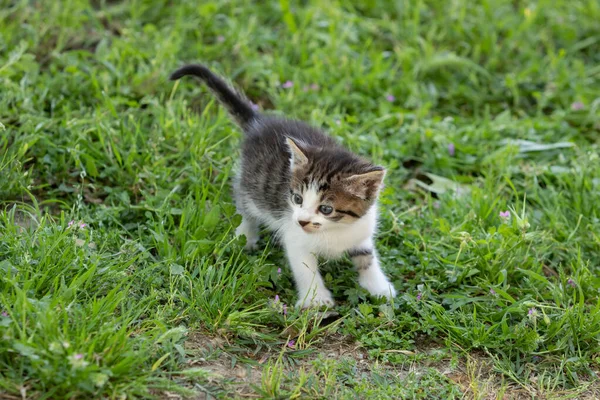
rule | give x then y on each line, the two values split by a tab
318	197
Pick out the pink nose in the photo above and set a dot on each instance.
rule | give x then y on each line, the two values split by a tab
303	223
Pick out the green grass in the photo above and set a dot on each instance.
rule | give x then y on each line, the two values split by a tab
155	295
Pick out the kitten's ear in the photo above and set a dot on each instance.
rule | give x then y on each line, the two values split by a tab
298	157
365	186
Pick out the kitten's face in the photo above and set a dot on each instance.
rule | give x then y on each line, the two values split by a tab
330	189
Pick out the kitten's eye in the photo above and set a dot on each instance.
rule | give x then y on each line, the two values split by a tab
297	199
325	210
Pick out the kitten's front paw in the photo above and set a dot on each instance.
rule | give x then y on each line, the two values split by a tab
378	287
320	298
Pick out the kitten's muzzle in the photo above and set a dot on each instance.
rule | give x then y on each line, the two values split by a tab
308	226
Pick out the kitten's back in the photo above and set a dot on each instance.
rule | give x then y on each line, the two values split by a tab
265	175
264	179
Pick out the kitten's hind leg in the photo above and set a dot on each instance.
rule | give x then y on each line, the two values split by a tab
248	228
370	275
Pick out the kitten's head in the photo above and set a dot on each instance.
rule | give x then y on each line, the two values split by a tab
330	187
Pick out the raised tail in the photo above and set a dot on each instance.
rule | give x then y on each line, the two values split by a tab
237	105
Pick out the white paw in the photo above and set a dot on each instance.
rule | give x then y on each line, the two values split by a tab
378	287
316	299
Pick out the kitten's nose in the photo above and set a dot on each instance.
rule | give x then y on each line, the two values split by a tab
303	223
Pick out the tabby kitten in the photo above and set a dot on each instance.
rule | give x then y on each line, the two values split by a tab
318	197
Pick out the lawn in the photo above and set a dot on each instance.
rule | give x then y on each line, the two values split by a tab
121	277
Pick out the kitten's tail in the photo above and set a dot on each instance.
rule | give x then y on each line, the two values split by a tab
236	104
